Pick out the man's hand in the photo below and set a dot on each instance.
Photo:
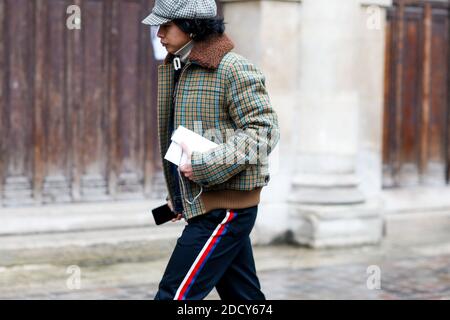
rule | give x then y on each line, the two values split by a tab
179	215
186	169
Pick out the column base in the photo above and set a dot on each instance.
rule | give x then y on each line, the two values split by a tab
56	189
323	226
17	192
129	187
94	187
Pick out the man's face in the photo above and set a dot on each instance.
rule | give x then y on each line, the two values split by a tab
172	37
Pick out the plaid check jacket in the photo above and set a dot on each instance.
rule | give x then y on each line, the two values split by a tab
222	96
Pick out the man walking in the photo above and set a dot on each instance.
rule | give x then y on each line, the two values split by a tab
203	83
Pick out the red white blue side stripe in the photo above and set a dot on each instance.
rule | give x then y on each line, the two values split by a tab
203	256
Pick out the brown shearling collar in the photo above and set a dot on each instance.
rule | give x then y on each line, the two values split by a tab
209	52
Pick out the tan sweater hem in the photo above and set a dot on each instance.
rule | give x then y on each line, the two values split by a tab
230	199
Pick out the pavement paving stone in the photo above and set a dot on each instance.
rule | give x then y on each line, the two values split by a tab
407	278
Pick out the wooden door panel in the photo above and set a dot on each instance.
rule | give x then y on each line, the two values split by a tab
77	107
389	105
18	128
56	186
3	122
130	134
415	135
93	113
411	96
437	160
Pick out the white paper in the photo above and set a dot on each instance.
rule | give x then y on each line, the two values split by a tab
193	141
174	154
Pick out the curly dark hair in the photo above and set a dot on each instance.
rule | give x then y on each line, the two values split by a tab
201	28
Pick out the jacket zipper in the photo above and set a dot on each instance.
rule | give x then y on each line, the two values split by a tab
174	100
176	88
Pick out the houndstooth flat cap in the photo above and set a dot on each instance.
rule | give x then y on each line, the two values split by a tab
167	10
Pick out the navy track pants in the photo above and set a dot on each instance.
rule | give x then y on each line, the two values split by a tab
214	250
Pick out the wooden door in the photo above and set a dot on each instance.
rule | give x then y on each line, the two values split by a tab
77	107
416	142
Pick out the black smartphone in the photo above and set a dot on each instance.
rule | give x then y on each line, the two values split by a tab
162	214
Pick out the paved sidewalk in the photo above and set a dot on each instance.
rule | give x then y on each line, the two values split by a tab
413	278
127	262
285	272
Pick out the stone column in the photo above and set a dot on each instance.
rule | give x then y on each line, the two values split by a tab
329	205
324	73
266	32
